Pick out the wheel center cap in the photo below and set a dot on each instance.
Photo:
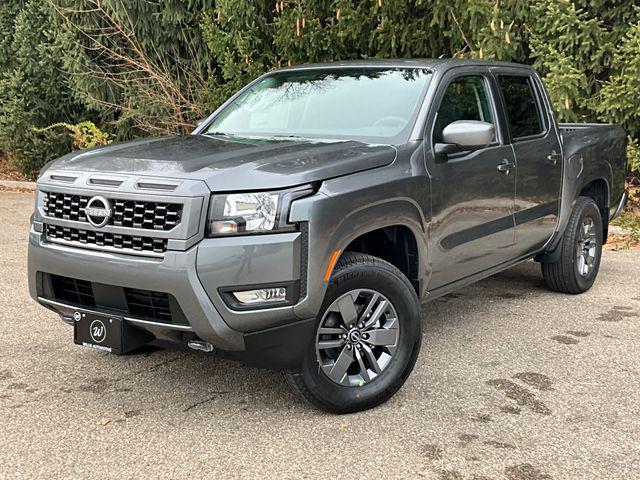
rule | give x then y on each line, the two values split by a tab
355	336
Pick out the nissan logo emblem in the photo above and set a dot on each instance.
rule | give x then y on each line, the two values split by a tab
98	211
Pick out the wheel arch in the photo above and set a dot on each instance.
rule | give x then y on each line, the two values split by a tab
396	244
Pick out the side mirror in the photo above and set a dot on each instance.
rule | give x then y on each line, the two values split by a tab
463	135
469	133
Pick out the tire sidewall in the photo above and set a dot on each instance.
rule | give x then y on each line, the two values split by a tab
400	293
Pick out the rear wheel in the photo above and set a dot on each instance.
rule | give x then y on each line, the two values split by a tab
367	339
580	251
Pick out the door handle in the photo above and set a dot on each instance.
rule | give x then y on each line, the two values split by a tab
553	157
506	166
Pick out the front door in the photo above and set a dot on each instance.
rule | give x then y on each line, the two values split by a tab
538	157
472	227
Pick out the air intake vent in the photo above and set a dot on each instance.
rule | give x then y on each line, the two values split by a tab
146	185
107	182
63	178
148	304
73	291
131	302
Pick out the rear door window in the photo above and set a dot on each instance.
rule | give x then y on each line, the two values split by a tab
522	107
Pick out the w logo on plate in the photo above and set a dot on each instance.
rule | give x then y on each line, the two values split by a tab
98	331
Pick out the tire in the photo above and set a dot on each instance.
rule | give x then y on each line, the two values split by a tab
390	334
568	274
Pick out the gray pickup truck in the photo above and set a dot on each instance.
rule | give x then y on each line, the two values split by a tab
303	223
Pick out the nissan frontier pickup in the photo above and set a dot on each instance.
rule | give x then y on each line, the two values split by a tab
302	225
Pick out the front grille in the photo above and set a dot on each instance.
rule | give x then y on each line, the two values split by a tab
72	290
152	305
126	213
136	303
105	239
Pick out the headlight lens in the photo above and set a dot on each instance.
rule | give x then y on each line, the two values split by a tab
243	212
238	213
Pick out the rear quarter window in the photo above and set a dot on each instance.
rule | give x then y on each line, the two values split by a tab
522	107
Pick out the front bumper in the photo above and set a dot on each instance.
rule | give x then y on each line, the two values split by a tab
194	277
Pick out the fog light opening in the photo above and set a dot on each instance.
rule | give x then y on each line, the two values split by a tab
261	296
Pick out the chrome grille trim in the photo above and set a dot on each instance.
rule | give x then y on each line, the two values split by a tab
146	215
98	240
178	214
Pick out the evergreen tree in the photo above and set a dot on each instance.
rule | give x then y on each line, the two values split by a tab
141	67
34	91
143	64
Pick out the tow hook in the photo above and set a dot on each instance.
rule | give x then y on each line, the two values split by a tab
200	346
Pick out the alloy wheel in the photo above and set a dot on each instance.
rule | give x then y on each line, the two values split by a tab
586	246
357	337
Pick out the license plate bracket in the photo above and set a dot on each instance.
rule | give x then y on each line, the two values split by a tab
108	333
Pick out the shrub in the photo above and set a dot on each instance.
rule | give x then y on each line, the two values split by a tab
84	134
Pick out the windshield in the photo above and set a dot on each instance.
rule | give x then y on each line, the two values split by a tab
367	104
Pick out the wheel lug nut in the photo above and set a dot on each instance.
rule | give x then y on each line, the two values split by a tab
359	346
348	346
365	336
344	335
360	325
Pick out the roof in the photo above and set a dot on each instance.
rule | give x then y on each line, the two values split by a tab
431	63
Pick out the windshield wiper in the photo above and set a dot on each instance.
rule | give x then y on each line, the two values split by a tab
219	134
295	137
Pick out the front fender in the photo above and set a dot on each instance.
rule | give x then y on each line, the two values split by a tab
342	215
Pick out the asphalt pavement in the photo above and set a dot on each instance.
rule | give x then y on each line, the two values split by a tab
513	383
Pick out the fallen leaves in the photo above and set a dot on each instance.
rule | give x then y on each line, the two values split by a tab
103	422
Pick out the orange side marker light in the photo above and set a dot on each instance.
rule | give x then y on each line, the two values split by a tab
332	263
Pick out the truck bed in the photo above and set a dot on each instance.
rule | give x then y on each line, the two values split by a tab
587	145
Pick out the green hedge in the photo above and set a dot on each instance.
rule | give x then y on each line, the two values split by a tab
140	68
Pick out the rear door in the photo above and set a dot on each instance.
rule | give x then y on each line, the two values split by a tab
533	135
472	228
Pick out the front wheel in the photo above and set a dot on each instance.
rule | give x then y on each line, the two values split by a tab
367	339
580	251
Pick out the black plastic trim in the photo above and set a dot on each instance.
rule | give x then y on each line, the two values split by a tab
278	347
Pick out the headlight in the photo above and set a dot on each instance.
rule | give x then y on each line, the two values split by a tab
245	213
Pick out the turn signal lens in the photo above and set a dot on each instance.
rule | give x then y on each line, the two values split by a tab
263	295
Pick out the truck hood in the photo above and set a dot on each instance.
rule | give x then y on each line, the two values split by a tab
228	163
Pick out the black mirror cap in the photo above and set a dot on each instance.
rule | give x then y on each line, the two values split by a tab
444	149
